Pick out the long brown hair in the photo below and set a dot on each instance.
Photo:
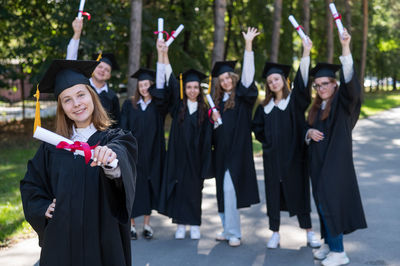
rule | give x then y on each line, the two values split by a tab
135	98
219	92
270	94
201	107
100	118
316	105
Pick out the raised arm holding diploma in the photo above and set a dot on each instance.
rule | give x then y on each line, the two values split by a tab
212	106
337	17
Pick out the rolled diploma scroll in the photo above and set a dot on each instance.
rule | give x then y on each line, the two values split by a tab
173	36
335	15
298	29
212	105
160	28
53	139
81	6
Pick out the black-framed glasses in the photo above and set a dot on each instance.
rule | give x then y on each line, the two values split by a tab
320	86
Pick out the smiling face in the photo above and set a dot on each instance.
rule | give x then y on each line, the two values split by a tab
325	87
144	86
226	82
192	90
102	72
77	104
275	83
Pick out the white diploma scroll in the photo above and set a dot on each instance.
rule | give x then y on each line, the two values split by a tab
81	6
173	36
335	15
298	28
212	105
160	28
54	139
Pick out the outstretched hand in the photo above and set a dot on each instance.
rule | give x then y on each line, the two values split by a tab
250	34
345	41
307	45
77	26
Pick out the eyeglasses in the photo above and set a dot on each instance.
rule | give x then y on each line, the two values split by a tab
323	85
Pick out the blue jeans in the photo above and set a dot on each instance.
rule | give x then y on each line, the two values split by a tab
230	217
335	243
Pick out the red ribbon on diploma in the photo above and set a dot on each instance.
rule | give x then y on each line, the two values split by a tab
210	114
168	35
86	14
77	145
299	27
337	17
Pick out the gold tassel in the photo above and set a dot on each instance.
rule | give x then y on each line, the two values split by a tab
181	85
99	57
37	111
288	83
209	85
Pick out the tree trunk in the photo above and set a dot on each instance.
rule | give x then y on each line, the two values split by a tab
329	34
394	79
134	43
306	16
219	30
364	42
22	91
276	30
347	14
228	37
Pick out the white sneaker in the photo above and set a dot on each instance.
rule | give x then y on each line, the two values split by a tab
180	232
220	237
195	232
321	253
274	240
336	259
234	241
312	240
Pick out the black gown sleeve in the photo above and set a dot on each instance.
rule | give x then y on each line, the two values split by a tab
160	99
301	94
121	191
247	95
36	192
123	122
173	90
258	124
350	96
116	112
206	152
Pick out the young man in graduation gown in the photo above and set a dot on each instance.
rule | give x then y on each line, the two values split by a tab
80	209
101	74
331	120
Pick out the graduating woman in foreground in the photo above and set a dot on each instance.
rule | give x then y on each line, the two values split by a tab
279	124
331	120
234	164
81	211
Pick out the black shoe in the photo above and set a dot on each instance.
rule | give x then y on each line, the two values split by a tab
147	234
133	234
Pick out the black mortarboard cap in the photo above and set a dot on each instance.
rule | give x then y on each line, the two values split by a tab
144	74
63	74
324	70
193	75
274	68
223	66
107	58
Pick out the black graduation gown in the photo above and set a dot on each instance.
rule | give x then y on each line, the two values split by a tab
90	224
334	181
281	133
187	164
233	148
110	102
148	128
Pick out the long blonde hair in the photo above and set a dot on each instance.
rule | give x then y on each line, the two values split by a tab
100	118
219	92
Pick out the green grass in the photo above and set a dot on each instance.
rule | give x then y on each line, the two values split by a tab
12	169
375	103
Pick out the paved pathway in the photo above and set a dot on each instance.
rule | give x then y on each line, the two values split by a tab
377	160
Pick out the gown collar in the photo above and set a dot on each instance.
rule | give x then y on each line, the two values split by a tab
143	104
99	90
282	105
83	134
192	106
